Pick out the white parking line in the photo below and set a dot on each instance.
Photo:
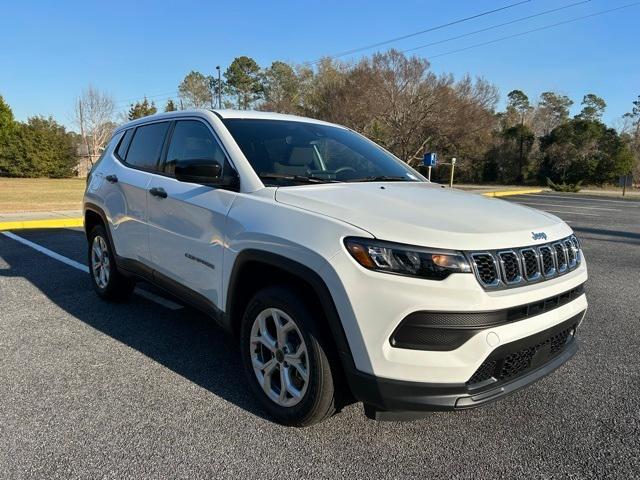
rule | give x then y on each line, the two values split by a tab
46	251
72	263
573	213
569	206
629	203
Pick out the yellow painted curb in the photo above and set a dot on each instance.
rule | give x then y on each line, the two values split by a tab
506	193
52	223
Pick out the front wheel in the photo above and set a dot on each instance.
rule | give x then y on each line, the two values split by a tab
285	358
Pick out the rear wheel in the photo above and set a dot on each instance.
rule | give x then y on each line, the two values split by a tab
107	280
285	358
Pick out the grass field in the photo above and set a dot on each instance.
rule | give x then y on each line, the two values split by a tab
40	194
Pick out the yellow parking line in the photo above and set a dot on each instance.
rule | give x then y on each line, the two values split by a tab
51	223
506	193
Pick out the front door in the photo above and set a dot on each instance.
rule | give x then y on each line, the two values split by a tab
187	220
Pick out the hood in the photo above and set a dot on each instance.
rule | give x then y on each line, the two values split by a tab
421	213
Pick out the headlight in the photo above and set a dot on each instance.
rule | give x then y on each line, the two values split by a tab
408	260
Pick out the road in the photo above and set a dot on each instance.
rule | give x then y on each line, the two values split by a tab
152	389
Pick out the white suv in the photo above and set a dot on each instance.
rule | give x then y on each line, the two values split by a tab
343	272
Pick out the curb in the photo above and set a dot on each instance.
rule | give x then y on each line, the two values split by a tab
506	193
53	223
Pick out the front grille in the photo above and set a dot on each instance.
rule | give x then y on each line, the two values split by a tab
530	264
521	361
445	331
486	268
548	264
484	373
561	257
571	253
511	268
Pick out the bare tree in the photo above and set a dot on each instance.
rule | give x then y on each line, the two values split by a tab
94	113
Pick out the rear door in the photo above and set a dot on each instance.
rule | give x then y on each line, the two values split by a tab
187	222
126	199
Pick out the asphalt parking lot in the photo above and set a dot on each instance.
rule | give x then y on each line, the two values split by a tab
152	389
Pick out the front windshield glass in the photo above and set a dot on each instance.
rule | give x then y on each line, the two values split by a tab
290	152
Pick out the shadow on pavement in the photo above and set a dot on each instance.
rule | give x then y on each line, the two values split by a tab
185	341
611	233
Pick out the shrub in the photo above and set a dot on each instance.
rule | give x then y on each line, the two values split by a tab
564	187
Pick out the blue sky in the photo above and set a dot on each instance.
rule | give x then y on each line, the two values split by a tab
52	50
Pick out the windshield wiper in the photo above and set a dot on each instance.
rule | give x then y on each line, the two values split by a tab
380	178
294	178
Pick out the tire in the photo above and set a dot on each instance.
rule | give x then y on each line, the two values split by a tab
106	279
302	403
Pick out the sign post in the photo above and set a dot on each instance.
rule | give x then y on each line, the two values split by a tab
430	160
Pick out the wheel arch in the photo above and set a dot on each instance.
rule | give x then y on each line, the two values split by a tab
94	215
248	275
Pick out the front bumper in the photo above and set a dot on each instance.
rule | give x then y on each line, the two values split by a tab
372	305
509	368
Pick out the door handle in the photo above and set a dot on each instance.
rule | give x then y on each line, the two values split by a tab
158	192
112	178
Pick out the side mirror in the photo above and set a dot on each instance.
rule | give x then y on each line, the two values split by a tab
206	172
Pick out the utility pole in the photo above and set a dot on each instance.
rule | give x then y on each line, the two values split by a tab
211	91
219	87
453	166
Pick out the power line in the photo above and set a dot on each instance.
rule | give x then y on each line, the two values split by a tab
431	29
493	27
545	27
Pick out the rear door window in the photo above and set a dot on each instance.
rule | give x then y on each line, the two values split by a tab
146	146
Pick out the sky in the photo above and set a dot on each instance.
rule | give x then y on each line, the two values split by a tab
51	51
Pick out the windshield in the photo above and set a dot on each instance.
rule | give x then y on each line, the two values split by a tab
290	152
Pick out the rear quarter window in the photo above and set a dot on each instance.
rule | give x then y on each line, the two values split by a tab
121	151
146	146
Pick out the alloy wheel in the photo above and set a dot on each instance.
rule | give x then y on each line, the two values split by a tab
100	262
279	357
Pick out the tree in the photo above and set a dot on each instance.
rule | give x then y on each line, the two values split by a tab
141	109
6	118
170	106
7	132
195	90
94	112
634	136
592	108
244	80
519	103
282	88
552	111
584	150
633	116
40	148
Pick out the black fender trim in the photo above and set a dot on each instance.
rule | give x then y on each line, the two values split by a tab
309	276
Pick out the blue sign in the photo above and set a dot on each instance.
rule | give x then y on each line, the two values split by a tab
430	159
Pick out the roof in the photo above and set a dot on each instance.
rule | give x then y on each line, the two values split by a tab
256	115
224	114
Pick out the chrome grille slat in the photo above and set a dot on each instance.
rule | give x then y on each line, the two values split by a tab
514	267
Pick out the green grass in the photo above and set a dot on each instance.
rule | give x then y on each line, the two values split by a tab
40	194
